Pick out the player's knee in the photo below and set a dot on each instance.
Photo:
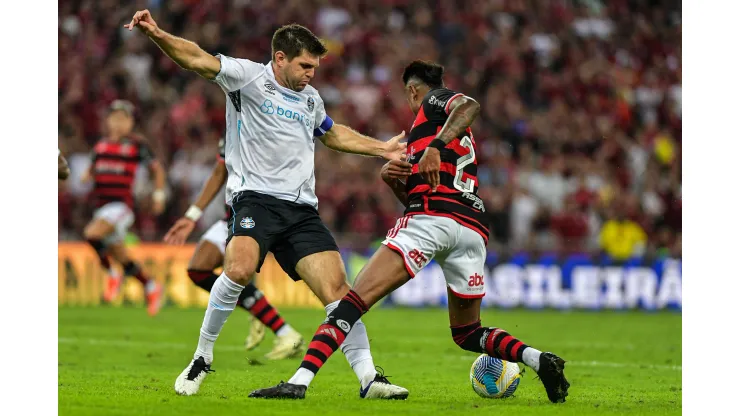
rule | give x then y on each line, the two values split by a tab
240	272
335	289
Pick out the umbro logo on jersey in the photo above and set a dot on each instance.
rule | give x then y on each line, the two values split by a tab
236	99
269	88
310	103
247	222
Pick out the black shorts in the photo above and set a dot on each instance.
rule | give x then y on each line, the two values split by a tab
289	230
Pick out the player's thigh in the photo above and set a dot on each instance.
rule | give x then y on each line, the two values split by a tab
251	231
241	259
418	239
464	264
209	253
462	310
383	273
110	223
119	252
324	274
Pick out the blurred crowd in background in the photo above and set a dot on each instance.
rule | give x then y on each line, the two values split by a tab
578	140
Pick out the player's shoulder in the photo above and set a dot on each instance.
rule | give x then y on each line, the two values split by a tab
439	96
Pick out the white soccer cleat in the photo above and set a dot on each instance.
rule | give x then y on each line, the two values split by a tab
286	346
381	388
256	334
189	381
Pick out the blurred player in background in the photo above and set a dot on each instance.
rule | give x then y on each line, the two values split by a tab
444	219
63	166
273	119
209	255
114	163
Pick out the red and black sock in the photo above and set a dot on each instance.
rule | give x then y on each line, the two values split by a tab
203	278
253	300
101	251
333	331
493	341
133	269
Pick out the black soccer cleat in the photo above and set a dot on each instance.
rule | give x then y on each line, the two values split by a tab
552	376
281	391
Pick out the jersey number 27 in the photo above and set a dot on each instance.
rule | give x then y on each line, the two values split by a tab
467	185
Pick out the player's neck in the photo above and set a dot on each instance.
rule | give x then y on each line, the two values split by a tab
280	80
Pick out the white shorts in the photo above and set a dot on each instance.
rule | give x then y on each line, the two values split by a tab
216	235
120	216
460	251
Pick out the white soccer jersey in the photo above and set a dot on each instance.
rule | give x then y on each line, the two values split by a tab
270	132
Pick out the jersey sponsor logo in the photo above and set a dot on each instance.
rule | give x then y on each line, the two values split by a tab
236	99
310	103
269	88
247	222
475	280
268	107
291	98
418	257
436	101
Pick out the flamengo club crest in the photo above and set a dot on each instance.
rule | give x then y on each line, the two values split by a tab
310	103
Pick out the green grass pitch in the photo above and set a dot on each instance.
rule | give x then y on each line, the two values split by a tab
118	361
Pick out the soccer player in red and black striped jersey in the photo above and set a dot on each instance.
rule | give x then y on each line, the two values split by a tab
209	255
114	163
444	220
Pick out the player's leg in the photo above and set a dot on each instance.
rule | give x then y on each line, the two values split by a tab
463	268
245	252
406	251
109	226
209	255
153	291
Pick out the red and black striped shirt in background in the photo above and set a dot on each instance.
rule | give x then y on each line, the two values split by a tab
222	159
114	169
456	195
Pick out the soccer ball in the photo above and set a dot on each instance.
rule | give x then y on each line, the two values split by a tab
493	378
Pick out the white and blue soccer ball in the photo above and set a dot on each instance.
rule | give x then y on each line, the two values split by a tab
493	378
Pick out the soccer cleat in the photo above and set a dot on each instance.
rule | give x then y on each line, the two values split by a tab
381	388
553	378
256	334
286	346
112	288
189	381
154	300
281	391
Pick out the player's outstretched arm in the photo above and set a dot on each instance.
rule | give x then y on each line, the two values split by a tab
344	139
63	167
393	174
185	53
179	232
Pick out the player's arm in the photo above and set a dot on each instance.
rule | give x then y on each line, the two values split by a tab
345	139
159	196
63	166
180	231
188	55
393	174
462	112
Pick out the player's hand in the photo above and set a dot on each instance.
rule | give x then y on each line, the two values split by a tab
144	21
394	149
179	233
395	169
429	167
157	207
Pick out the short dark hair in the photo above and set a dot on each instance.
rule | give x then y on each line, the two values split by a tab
292	39
427	72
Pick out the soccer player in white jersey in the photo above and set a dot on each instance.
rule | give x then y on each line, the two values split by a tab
273	118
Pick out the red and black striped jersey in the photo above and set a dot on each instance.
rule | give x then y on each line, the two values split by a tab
114	166
456	196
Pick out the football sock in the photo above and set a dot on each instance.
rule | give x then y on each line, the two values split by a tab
495	342
99	248
132	269
253	300
203	278
329	336
223	300
356	348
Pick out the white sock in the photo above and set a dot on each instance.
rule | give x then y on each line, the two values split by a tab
302	377
531	357
356	347
150	286
284	330
224	296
